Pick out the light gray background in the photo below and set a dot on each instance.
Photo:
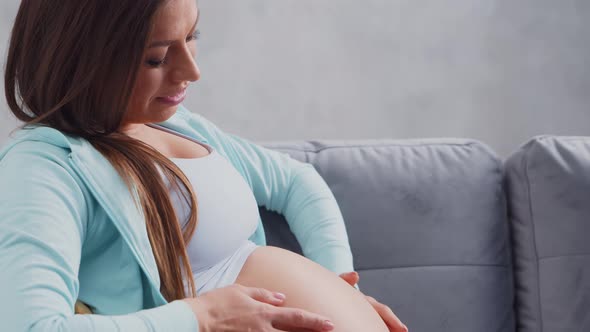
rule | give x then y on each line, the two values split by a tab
499	71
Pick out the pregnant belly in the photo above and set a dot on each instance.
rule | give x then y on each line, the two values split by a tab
309	286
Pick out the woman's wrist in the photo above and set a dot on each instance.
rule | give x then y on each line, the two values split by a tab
201	312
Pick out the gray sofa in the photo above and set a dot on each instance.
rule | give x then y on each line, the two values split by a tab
455	239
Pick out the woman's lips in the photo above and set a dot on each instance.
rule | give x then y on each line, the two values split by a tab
173	100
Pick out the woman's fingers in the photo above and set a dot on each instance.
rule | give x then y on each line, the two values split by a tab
390	319
290	319
264	295
352	278
238	308
393	323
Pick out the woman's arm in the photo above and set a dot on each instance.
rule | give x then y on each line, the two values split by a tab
43	223
297	191
292	188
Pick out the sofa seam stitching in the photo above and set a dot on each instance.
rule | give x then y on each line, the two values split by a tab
467	144
563	256
434	265
534	234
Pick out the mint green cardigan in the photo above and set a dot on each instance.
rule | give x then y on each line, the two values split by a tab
69	229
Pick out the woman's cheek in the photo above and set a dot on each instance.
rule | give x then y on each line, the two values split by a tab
147	86
153	84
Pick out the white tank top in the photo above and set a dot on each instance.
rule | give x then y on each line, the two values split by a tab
227	212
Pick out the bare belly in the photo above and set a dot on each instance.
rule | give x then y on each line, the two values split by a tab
309	286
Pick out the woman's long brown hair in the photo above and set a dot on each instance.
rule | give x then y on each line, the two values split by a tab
71	66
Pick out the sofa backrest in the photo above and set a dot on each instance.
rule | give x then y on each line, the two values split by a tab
548	183
427	224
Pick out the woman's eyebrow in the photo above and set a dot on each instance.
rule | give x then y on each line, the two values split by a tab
166	43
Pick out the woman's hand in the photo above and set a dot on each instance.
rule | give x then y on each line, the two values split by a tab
239	308
390	319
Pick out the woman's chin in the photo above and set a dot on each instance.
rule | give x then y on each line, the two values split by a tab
164	112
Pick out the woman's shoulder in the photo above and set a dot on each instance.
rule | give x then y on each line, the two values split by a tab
40	140
38	156
36	148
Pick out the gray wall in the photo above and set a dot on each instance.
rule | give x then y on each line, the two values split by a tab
7	12
496	70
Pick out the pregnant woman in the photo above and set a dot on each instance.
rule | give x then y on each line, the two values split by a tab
115	195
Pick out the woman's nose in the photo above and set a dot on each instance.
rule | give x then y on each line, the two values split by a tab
193	73
187	68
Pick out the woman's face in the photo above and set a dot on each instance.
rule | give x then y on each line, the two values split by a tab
168	65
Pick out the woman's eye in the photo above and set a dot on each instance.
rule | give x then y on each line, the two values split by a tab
155	63
194	36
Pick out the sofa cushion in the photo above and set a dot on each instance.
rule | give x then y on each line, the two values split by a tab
427	226
548	182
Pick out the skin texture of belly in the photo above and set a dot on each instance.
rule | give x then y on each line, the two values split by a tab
310	286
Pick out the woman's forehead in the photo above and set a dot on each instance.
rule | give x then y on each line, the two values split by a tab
175	17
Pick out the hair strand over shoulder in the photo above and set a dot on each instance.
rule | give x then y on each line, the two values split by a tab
81	86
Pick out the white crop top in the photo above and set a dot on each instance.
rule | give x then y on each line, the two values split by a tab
227	212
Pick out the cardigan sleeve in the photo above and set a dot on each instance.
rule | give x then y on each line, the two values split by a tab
43	215
293	189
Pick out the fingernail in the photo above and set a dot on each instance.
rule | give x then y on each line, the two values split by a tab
279	296
328	326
